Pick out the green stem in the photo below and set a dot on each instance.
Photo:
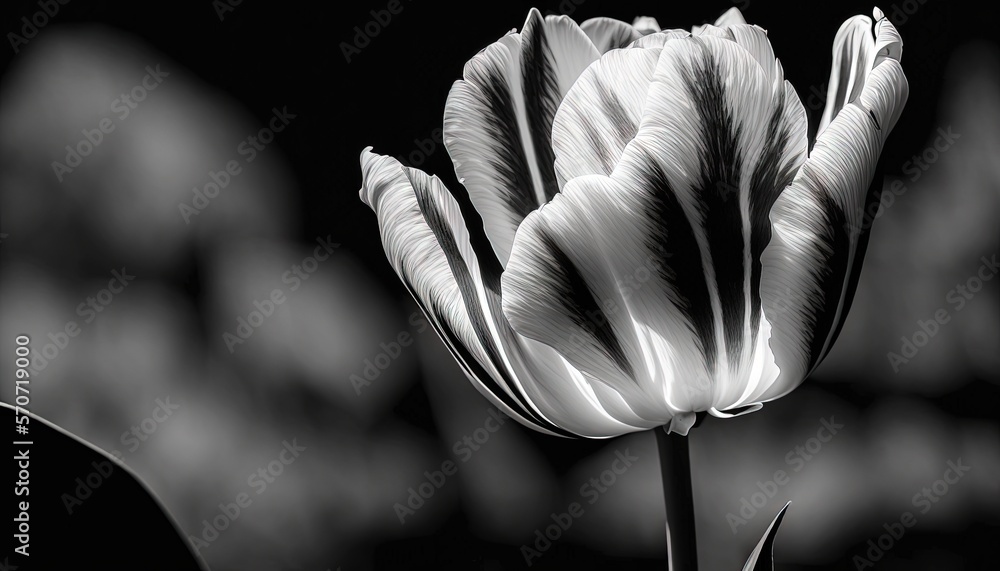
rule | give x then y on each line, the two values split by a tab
675	469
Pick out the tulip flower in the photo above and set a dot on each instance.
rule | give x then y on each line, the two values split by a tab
657	240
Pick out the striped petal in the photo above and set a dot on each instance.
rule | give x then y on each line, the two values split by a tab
820	234
685	205
434	254
601	113
498	120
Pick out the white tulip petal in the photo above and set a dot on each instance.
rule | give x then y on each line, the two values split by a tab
819	234
747	144
732	413
562	287
601	113
571	399
426	242
711	30
682	423
754	40
853	58
730	17
498	120
888	42
658	39
646	25
688	211
609	34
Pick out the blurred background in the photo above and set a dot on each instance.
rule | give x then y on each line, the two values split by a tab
167	171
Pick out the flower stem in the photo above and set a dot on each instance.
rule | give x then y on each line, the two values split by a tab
675	469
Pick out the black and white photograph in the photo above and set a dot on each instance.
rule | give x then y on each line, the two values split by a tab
555	285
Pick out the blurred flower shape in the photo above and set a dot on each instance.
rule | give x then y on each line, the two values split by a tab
657	240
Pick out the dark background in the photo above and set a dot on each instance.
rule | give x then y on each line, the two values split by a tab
333	508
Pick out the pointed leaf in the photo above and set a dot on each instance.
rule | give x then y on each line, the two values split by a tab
766	546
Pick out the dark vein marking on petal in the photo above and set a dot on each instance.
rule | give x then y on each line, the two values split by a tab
541	97
871	115
718	187
446	240
678	258
580	304
624	128
510	161
471	366
770	177
829	273
596	141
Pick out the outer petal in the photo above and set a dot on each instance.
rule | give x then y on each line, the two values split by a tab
853	56
819	236
498	120
888	42
644	276
428	244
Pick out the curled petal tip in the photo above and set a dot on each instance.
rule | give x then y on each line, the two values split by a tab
681	423
888	42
